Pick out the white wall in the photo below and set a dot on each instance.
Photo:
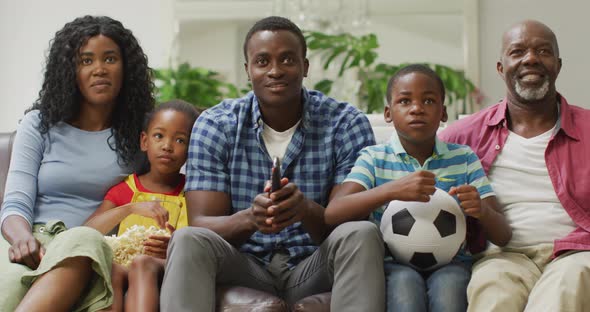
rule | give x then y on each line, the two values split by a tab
26	26
568	19
432	38
215	45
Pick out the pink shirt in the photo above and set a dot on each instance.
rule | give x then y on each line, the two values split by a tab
566	157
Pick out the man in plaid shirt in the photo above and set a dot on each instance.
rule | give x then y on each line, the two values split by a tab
277	242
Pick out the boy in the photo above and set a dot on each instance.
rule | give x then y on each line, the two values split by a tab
409	168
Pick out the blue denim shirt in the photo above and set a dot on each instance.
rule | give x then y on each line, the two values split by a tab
227	154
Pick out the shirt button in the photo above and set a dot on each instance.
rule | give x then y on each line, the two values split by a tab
497	147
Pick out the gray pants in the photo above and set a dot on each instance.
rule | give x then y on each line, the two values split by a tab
349	262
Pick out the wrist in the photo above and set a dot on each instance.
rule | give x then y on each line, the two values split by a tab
311	210
391	194
20	236
305	210
132	208
16	228
248	215
484	213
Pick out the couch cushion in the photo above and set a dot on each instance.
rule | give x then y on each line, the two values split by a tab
238	299
315	303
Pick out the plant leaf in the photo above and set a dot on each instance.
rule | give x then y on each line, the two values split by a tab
324	86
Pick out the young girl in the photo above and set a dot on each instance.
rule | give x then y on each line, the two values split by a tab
408	168
153	198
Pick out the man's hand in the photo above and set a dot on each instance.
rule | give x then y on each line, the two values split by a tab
151	209
275	211
259	212
469	200
26	250
417	186
289	206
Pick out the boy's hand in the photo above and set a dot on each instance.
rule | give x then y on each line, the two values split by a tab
151	209
469	200
417	186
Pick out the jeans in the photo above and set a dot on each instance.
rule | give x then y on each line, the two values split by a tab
440	290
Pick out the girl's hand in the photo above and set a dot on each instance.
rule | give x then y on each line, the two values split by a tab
469	200
157	245
151	209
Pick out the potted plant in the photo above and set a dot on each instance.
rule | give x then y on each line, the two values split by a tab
358	53
198	86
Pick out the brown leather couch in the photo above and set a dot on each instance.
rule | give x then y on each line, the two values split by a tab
229	299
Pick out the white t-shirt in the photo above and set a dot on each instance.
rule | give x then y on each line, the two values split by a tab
277	142
525	192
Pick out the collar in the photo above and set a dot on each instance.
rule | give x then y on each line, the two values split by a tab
499	117
440	148
564	121
258	123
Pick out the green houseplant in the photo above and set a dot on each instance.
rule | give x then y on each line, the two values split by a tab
198	86
352	52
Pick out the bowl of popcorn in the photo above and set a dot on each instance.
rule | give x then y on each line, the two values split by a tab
130	244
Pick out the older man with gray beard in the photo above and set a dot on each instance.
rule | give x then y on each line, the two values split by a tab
534	147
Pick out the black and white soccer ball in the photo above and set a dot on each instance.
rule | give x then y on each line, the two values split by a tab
424	235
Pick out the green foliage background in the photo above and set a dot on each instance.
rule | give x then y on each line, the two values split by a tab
352	52
198	86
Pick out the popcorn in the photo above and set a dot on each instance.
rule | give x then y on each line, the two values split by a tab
130	244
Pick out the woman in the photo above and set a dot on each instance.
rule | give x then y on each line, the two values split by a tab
80	137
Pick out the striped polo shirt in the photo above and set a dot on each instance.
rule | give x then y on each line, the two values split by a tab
452	164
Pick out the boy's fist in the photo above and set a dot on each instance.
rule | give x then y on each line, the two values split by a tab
417	186
469	200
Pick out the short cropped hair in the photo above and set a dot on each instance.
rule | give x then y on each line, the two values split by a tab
274	23
414	68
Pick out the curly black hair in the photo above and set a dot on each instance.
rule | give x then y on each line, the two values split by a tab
60	98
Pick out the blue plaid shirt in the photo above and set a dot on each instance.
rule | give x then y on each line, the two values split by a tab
227	154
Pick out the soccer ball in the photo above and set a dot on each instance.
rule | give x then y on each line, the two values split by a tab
424	235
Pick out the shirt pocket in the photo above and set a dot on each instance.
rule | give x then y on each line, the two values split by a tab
446	184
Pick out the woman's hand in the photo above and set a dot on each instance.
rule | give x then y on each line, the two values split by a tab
157	245
151	209
26	250
24	247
